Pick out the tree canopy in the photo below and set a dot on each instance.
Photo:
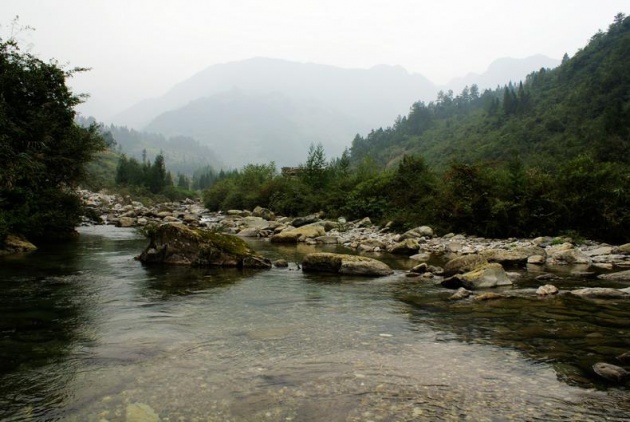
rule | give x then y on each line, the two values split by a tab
42	151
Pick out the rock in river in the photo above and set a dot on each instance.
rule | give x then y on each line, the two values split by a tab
611	372
345	264
177	244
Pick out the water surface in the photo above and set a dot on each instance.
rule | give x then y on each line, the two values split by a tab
87	333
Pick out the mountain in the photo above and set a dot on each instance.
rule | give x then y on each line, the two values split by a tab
582	107
261	109
370	94
502	71
275	108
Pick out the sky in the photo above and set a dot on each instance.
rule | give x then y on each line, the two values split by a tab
138	49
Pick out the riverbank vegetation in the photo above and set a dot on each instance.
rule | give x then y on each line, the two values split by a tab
42	151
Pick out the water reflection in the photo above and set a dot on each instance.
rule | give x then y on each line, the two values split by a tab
163	282
568	332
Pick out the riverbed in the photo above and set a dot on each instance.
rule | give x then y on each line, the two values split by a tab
89	334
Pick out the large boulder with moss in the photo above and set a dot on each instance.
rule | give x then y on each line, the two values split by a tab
345	264
177	244
16	244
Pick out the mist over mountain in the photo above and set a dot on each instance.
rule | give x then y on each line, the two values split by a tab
261	109
502	71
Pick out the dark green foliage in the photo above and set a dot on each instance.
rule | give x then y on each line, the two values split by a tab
42	151
581	107
153	177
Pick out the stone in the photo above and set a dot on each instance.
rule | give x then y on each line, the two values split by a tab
248	232
546	290
140	412
16	244
264	213
365	222
610	372
488	275
420	268
513	256
344	264
302	221
299	234
463	264
600	293
566	254
406	247
602	250
327	240
280	263
418	232
623	249
176	244
460	294
126	222
624	357
536	259
422	257
619	275
547	276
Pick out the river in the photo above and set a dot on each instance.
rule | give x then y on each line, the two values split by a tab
89	334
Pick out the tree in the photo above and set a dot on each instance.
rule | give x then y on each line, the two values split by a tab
42	151
314	173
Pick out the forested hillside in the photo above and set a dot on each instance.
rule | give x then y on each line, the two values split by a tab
545	157
581	107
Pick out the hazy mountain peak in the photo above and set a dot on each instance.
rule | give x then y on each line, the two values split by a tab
502	71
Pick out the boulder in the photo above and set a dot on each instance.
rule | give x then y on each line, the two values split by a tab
280	263
600	293
624	357
422	257
511	257
546	290
303	221
16	244
619	275
461	293
327	240
488	275
177	244
566	254
345	264
299	234
463	264
623	249
126	222
418	232
536	259
264	213
406	247
610	372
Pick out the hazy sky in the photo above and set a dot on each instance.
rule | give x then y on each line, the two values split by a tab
140	48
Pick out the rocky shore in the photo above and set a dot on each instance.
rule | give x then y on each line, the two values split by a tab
462	253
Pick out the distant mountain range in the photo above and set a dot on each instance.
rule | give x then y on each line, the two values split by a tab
262	110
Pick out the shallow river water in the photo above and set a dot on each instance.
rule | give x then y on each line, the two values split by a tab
89	334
